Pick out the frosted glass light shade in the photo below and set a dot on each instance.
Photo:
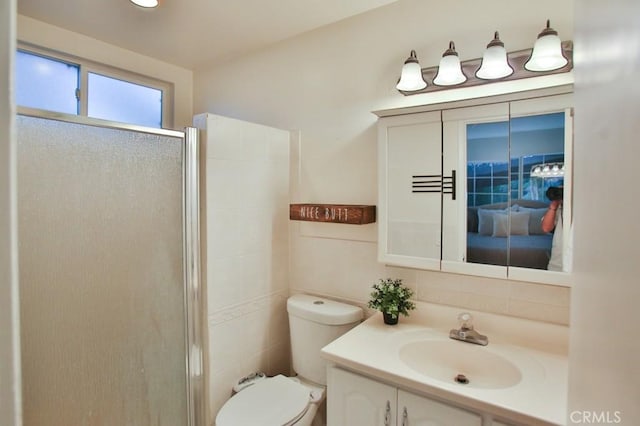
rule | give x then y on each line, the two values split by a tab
449	71
494	61
411	77
547	52
145	3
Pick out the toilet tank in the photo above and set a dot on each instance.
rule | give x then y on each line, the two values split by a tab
315	322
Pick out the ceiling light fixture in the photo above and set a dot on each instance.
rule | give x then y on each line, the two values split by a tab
549	56
449	72
147	4
411	76
547	52
494	61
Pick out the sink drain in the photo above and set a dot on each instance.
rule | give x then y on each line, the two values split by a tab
462	379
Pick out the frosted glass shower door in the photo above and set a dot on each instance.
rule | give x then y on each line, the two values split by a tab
102	292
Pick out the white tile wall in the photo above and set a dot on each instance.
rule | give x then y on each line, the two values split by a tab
515	298
247	251
347	269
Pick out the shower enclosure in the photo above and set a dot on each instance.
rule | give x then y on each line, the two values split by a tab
109	273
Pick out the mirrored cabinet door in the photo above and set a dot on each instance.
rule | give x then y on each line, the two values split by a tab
410	174
475	142
511	157
541	141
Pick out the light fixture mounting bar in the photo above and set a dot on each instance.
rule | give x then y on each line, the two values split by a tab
516	59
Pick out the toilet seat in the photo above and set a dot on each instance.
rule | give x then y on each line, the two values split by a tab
275	401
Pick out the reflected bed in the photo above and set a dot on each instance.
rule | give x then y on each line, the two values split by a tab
487	234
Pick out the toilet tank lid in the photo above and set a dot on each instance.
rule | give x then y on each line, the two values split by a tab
323	311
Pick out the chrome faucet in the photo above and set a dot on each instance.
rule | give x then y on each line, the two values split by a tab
466	333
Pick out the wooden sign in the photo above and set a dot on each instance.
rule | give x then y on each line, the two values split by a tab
334	213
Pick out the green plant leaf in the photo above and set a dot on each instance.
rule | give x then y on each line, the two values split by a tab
391	296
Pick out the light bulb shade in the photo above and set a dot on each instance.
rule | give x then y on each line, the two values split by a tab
494	61
411	76
547	52
145	3
449	71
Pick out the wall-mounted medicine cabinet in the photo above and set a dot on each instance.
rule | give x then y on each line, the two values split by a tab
462	187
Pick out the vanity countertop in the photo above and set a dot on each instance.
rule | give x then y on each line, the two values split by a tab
537	350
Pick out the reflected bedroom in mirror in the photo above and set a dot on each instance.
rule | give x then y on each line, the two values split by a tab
510	166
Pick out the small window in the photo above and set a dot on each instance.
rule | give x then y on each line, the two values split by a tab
46	83
56	82
118	100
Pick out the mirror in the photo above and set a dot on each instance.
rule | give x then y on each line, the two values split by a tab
508	155
510	166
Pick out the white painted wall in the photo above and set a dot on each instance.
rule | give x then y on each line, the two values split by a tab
58	39
325	84
604	350
246	250
10	400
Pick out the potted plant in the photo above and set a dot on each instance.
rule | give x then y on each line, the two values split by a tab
391	297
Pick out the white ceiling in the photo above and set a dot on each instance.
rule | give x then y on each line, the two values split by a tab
191	33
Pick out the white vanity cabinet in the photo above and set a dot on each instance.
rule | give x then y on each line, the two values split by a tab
355	400
414	410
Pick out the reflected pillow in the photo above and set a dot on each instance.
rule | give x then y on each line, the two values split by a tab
485	221
535	220
519	224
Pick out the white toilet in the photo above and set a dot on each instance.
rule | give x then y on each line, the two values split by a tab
283	401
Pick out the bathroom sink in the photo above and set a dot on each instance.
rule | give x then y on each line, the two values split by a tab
462	363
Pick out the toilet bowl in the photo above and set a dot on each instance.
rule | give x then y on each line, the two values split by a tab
278	400
283	401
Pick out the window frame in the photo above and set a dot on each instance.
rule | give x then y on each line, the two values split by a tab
86	66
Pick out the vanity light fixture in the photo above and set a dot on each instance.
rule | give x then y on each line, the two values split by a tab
549	56
547	52
411	76
450	72
494	61
148	4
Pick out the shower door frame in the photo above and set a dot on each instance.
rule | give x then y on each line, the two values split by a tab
191	260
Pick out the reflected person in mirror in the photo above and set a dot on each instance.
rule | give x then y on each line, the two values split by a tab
552	222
